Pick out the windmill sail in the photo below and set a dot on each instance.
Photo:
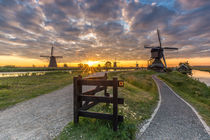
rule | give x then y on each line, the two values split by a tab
170	48
164	61
146	46
52	51
159	38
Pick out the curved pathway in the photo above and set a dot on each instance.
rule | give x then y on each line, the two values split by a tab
174	120
40	118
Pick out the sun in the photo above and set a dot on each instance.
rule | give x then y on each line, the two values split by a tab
91	63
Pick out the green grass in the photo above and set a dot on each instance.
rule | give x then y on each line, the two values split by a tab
193	91
140	95
17	89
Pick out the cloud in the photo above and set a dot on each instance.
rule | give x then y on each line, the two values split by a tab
104	10
103	29
192	4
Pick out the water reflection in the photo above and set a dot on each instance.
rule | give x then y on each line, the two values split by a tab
202	76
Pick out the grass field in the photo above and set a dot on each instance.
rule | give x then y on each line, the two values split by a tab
17	89
193	91
140	95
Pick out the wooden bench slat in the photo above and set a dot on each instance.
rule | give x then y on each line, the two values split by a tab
94	78
94	91
97	82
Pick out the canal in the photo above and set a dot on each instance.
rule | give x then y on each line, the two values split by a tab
203	76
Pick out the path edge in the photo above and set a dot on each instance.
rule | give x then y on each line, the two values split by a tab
148	121
193	109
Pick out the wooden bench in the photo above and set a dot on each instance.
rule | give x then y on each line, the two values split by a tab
85	100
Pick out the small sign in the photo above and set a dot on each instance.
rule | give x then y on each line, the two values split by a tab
121	83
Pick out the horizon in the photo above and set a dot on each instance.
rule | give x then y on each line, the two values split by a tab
120	64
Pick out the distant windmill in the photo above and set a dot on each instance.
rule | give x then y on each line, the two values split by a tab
115	64
157	53
137	65
52	62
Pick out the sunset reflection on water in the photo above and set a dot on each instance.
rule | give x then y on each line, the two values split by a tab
203	76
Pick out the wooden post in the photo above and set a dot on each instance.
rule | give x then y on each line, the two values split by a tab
80	90
115	103
76	107
105	90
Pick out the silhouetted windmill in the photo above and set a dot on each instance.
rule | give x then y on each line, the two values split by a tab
137	65
115	64
52	62
157	53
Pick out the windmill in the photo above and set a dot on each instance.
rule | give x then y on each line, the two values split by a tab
52	62
115	64
137	65
157	53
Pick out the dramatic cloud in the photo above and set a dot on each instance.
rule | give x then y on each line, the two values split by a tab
103	29
192	4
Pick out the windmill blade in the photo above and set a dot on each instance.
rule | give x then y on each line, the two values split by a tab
164	60
159	38
44	56
170	48
149	47
58	56
52	51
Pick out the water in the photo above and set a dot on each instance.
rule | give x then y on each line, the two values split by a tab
203	76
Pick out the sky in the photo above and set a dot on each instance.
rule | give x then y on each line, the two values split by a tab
102	30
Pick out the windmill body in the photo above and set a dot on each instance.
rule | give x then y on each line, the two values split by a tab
157	54
137	65
115	65
53	62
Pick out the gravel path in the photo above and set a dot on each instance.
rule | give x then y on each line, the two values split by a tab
174	120
40	118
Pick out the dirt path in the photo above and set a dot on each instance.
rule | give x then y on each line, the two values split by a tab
174	120
41	118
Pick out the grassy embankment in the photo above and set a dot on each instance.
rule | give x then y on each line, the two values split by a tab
140	95
207	68
193	91
17	89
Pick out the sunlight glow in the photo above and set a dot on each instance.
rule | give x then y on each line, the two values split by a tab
91	63
88	36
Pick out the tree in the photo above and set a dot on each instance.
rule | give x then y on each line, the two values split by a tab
99	68
108	65
65	65
80	65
